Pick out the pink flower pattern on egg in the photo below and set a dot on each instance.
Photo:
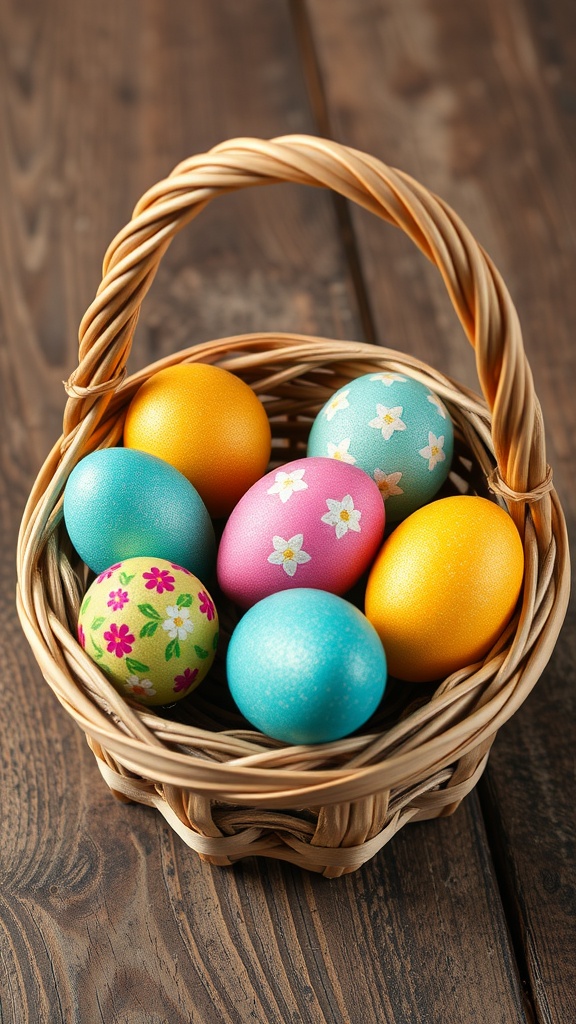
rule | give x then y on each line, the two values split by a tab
184	682
154	648
158	580
206	605
120	639
118	598
282	535
108	572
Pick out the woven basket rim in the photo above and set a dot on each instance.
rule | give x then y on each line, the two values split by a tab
503	430
211	772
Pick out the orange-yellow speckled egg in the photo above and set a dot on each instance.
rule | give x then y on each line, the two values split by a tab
444	586
206	422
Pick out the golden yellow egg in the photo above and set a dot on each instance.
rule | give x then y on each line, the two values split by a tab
206	422
444	586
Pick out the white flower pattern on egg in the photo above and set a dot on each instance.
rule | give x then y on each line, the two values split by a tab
178	624
288	553
340	451
340	401
388	420
286	483
388	483
389	378
139	687
438	405
433	451
342	515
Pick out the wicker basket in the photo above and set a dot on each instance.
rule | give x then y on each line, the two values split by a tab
225	789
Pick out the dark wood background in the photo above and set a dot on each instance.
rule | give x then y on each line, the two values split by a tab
104	914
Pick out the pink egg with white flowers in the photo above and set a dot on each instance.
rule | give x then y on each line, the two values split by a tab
315	522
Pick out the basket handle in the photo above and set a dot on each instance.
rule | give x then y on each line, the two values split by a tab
476	289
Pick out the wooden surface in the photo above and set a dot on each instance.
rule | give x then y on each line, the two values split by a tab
105	915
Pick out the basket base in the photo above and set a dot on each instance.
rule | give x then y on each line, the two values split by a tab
327	849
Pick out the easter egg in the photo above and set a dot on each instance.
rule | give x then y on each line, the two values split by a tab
312	523
306	666
120	503
152	628
395	429
444	586
207	423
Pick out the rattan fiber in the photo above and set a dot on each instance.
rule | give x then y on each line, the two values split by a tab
226	790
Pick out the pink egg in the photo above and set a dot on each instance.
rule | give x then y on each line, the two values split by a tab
315	522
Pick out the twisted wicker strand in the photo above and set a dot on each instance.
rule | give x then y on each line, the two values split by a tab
475	287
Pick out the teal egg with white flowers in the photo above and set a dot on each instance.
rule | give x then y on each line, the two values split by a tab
396	429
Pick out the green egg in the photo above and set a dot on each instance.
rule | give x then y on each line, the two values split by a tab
152	627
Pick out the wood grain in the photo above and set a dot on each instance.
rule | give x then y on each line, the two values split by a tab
104	914
133	928
478	102
465	102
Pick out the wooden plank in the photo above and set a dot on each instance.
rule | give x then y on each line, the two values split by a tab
98	102
477	101
97	111
527	797
105	915
123	924
431	82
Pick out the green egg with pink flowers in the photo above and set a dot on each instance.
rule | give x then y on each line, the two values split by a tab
152	627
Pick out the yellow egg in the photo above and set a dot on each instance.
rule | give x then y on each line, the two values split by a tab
444	586
206	422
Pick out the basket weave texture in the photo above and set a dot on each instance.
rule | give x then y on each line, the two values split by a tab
225	789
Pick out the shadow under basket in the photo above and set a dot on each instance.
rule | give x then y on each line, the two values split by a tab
228	791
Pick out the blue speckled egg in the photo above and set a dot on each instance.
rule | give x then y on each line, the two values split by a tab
306	666
395	429
120	503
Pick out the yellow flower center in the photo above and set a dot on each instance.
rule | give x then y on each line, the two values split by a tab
344	515
434	449
288	554
388	418
338	455
178	621
288	482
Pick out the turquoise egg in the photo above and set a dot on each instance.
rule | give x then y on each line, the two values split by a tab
121	503
395	429
306	666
